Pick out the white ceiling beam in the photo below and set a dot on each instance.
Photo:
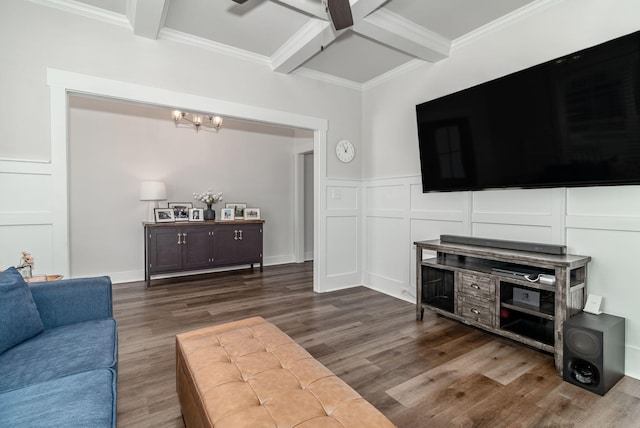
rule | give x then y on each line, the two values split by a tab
311	9
371	21
362	8
316	35
399	33
147	16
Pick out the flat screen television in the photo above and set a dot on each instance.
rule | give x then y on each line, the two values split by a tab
572	121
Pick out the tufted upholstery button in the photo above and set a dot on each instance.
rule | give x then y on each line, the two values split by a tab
248	373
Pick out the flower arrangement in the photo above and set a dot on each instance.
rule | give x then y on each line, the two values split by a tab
208	197
26	264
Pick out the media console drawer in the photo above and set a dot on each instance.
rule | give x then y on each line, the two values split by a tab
476	309
478	285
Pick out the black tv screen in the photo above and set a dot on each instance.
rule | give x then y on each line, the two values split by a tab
572	121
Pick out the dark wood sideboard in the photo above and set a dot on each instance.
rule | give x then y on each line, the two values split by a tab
463	282
193	246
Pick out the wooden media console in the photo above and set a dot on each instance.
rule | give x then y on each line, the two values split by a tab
500	290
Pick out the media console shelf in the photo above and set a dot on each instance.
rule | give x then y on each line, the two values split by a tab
487	288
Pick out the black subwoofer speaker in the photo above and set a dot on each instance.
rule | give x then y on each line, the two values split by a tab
593	352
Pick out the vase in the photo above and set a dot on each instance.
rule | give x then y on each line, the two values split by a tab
209	214
25	271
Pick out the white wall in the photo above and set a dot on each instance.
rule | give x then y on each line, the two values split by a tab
600	222
114	146
47	38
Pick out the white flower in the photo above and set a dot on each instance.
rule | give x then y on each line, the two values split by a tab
208	197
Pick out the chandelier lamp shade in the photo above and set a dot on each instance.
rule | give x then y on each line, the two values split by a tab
197	120
152	191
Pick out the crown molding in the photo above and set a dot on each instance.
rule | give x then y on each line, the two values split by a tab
409	30
328	78
87	11
188	39
394	73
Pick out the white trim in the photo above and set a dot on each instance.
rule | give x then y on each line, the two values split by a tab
62	83
88	11
324	77
209	45
61	251
394	73
19	166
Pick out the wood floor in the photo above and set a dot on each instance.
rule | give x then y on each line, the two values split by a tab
431	373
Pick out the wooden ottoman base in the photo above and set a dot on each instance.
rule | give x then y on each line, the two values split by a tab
249	373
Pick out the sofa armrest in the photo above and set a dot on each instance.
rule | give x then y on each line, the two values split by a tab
70	301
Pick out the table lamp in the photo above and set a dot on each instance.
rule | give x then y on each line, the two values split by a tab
152	191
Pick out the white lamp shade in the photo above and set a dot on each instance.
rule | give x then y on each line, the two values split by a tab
153	191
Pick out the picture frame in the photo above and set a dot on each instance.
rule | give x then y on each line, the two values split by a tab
196	214
238	209
227	214
252	213
180	210
163	215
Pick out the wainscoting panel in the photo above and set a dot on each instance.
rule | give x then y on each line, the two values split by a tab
342	197
444	205
343	234
618	201
32	238
386	197
517	201
343	256
613	275
387	248
601	222
514	232
26	218
536	215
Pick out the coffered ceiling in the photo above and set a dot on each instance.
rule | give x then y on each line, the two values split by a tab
296	36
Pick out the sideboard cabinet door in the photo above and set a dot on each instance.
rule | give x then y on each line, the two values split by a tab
196	251
165	249
249	248
224	244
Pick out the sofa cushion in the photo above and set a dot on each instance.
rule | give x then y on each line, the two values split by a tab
19	316
60	352
82	400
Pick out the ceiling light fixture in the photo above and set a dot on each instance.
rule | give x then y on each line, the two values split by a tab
197	120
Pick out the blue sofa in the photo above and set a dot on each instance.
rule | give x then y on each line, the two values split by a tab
58	353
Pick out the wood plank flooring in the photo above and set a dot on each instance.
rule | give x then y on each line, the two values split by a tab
431	373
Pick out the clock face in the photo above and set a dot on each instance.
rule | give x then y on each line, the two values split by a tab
345	151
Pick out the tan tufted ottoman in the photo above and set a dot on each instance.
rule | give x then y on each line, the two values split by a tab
250	374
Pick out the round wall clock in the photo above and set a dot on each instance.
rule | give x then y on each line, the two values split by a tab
345	151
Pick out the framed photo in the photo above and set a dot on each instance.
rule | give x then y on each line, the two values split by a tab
251	213
238	209
227	214
196	214
164	215
181	210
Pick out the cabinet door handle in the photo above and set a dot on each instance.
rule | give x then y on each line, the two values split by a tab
179	239
240	235
475	311
476	286
184	238
235	235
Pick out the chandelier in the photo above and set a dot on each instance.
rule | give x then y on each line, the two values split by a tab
197	120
